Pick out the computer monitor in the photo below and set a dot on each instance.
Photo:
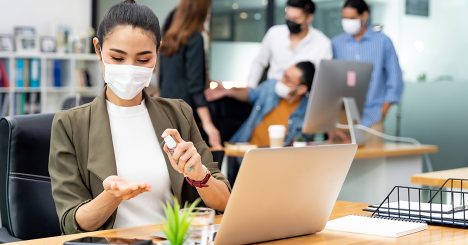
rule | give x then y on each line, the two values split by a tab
335	82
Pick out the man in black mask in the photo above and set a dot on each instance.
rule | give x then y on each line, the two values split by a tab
286	45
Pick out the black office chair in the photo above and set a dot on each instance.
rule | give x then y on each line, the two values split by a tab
26	203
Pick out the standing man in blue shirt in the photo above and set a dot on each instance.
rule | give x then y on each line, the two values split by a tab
360	43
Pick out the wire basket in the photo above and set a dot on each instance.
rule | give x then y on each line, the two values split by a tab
445	205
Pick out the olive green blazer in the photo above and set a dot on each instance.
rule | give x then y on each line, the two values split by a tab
82	154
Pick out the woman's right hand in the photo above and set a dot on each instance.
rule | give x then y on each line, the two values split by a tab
123	189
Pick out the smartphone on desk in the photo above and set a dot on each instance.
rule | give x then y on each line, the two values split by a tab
108	241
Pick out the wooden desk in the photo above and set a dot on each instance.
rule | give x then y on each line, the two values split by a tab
386	150
434	235
437	178
376	170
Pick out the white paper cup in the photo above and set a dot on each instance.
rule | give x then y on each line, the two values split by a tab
277	134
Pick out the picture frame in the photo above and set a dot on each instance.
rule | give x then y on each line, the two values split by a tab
80	45
417	8
63	33
48	44
6	43
26	43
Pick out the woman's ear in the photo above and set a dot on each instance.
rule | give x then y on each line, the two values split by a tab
97	47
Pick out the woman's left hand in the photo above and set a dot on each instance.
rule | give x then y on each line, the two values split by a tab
185	158
213	136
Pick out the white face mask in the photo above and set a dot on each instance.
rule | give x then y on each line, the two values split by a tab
351	26
282	90
126	81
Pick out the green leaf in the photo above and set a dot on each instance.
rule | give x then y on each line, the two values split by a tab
177	222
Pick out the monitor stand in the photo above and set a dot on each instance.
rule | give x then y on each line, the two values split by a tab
352	117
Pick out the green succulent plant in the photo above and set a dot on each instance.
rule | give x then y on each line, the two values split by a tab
177	222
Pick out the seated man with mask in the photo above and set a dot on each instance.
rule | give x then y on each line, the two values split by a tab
275	102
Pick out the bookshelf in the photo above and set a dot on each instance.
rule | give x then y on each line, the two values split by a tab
41	82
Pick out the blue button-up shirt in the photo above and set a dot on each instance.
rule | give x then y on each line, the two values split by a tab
264	100
386	84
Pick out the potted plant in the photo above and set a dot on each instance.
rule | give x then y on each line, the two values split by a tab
178	220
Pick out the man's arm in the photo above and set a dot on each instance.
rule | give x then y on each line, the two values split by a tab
241	94
394	83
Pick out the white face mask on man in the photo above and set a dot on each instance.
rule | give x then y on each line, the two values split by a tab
282	90
126	81
351	26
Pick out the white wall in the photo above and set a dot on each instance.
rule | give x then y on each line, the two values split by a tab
434	45
45	15
160	7
231	61
442	39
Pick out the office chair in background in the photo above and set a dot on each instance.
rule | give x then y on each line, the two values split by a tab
26	204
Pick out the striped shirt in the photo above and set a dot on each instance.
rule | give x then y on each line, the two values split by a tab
386	84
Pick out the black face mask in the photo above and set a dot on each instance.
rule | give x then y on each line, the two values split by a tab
293	27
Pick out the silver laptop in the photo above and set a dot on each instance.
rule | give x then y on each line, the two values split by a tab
284	192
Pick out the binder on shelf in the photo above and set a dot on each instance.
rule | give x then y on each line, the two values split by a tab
19	73
35	73
26	73
4	80
444	205
57	72
34	103
22	104
18	104
4	104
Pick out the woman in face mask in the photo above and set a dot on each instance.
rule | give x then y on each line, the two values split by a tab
106	163
361	43
183	73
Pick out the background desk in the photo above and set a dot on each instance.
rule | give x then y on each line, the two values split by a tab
437	179
376	170
435	234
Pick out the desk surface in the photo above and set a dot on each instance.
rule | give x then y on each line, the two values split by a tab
366	152
435	234
437	178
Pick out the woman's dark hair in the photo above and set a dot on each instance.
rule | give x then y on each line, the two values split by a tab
308	71
129	13
307	5
168	22
359	5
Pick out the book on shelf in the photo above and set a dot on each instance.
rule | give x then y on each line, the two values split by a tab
20	73
4	104
57	72
18	104
35	73
28	74
34	103
84	79
4	80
